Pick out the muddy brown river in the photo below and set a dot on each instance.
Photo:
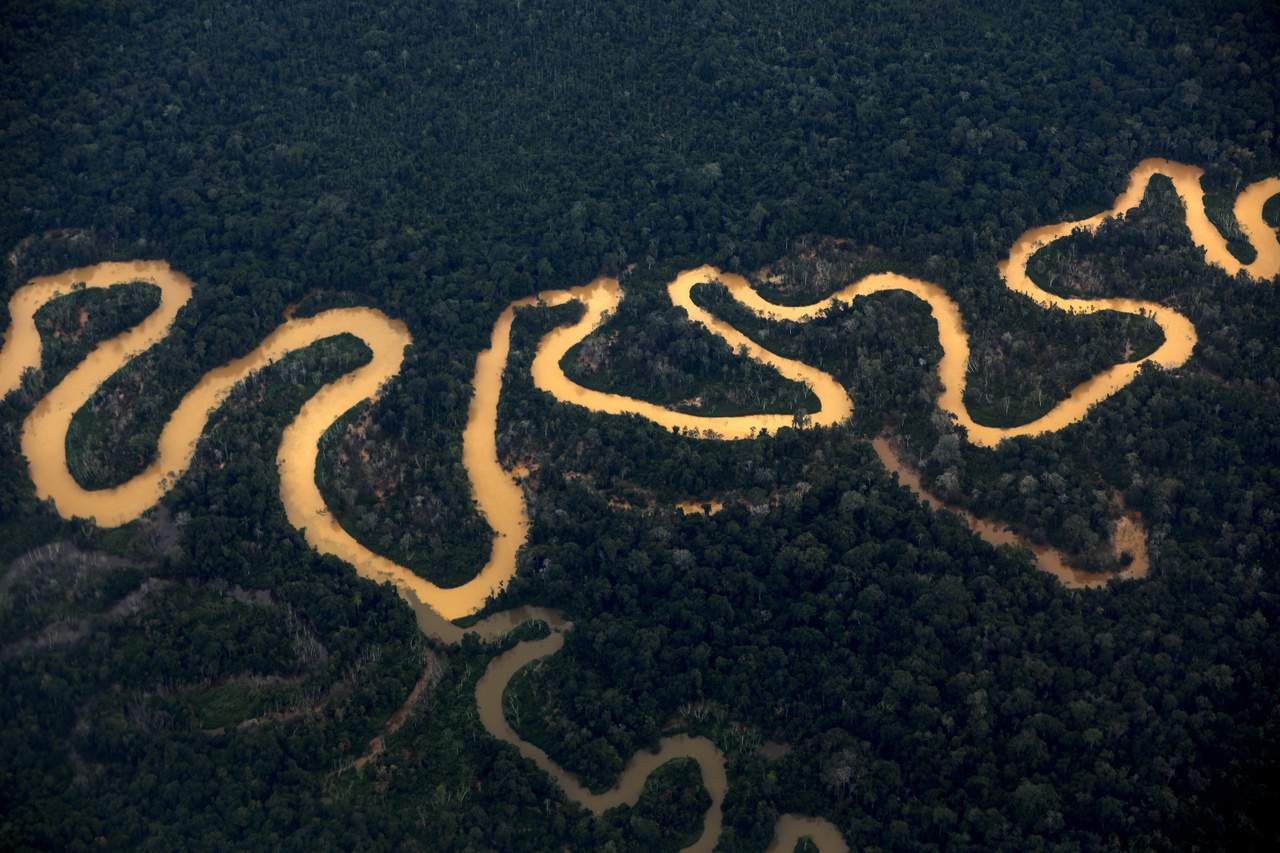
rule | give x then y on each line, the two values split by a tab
496	490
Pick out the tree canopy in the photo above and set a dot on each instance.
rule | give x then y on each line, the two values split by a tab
202	679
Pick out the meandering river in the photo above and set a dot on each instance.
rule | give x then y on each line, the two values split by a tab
496	490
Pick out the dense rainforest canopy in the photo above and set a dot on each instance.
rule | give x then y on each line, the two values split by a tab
201	678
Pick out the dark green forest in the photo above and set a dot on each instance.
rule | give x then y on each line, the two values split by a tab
202	679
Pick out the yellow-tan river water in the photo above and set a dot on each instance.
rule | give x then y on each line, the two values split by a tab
496	490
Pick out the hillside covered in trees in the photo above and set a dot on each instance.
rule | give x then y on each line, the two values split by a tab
202	678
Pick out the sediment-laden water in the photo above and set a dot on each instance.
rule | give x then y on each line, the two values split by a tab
496	490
